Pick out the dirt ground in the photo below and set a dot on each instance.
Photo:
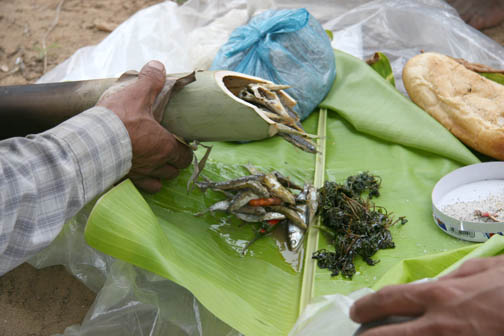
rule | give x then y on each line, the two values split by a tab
35	36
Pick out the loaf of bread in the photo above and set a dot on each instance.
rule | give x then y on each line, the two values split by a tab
467	104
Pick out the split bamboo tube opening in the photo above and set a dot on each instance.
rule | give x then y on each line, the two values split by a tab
207	109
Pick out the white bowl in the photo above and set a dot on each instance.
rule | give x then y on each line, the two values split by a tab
471	183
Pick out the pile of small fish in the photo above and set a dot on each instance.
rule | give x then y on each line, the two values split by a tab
267	198
279	110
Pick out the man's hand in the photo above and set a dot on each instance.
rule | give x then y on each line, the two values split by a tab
156	153
468	301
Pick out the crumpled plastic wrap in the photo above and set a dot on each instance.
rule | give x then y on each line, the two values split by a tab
136	302
131	301
274	43
328	315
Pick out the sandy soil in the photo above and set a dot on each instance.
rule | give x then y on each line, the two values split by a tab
44	302
41	302
32	33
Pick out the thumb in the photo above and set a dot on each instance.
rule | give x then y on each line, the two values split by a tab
152	77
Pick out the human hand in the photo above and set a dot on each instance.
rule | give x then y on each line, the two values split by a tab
466	302
156	153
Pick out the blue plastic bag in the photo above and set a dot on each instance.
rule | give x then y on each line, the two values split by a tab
286	47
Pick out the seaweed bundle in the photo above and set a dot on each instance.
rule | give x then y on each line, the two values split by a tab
356	225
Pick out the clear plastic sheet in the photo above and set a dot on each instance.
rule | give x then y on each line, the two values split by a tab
328	315
131	301
136	302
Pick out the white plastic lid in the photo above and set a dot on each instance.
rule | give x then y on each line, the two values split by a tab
472	188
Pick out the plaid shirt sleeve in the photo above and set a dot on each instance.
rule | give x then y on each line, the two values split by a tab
46	178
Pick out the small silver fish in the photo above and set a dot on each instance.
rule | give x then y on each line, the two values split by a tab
277	189
301	197
259	93
312	203
229	184
295	236
273	216
252	210
276	87
288	102
258	188
292	113
248	218
252	183
292	215
269	97
302	210
273	116
300	142
281	128
276	104
285	181
241	199
278	108
247	95
252	218
219	206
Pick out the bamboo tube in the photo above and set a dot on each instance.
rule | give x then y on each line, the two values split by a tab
206	110
26	109
209	110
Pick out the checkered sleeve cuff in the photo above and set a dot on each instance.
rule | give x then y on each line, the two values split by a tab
100	145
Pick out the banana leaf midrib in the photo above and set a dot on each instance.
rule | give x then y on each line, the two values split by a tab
312	234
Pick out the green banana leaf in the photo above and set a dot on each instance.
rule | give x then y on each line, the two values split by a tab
496	77
370	126
439	264
329	34
381	64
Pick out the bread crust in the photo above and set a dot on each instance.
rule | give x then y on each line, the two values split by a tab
470	106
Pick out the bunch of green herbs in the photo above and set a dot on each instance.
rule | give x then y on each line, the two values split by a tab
355	225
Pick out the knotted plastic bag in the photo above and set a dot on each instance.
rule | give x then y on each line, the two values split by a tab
286	47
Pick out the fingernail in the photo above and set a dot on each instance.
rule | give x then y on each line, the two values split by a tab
157	65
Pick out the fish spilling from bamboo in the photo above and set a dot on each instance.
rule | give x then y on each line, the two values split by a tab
271	200
272	102
278	109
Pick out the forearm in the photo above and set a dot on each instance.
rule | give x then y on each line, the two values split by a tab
46	178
